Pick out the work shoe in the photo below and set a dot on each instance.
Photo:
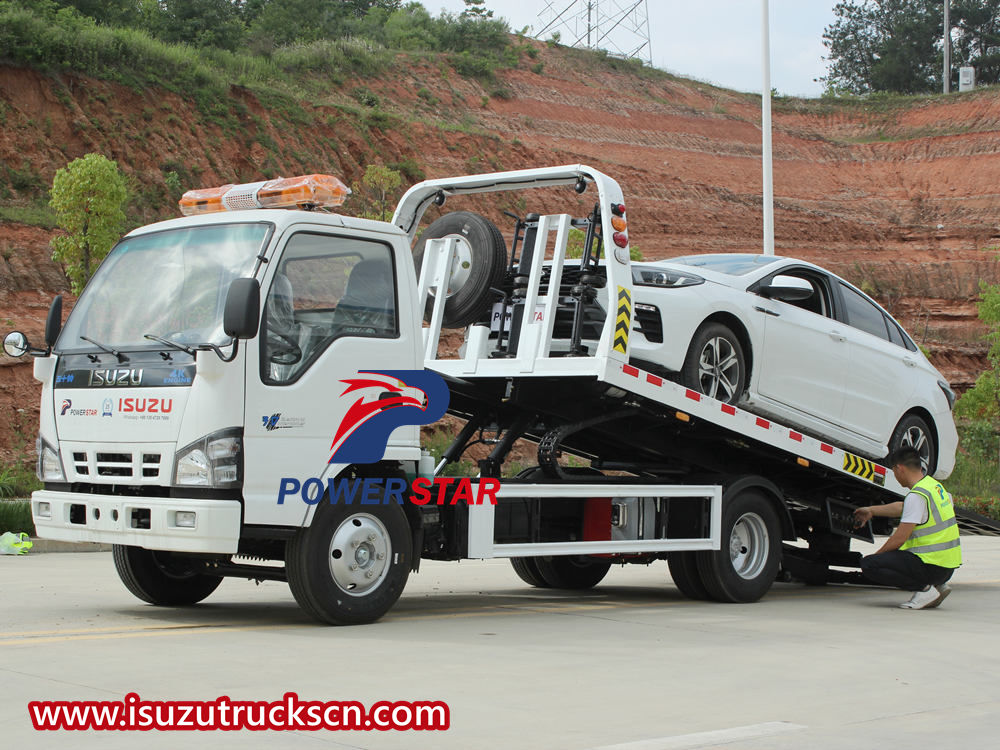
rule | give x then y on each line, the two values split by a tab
929	597
943	590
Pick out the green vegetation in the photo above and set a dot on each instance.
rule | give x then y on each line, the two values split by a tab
574	246
15	516
87	196
35	215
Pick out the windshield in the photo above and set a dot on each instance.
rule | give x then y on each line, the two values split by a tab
734	265
171	284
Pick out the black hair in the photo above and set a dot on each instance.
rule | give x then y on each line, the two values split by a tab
906	456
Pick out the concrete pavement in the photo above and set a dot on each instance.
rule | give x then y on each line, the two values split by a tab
630	665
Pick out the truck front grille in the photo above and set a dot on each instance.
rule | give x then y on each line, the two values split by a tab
117	464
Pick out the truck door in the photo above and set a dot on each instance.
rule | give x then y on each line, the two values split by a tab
330	307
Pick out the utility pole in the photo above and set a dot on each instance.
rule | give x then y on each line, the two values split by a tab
765	126
947	46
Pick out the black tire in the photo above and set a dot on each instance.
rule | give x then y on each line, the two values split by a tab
575	572
714	344
684	571
330	591
162	578
486	255
746	566
908	433
527	570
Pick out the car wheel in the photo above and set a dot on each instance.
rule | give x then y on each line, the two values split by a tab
572	571
684	572
480	262
527	570
350	566
715	365
161	577
746	566
913	432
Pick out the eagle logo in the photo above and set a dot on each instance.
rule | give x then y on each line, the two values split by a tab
382	402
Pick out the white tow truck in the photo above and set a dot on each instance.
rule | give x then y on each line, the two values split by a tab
238	392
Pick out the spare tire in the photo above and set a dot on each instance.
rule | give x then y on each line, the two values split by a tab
480	263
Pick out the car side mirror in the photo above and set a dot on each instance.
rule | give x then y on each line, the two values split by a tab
15	344
787	289
53	324
241	316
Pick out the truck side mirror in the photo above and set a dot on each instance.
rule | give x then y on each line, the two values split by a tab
241	316
787	289
15	344
53	324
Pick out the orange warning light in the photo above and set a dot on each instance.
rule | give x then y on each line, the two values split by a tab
306	191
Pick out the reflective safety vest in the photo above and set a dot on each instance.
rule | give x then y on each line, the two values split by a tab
936	540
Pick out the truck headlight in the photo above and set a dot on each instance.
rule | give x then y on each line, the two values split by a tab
49	466
215	460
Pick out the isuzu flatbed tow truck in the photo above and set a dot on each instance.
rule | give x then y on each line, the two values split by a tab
238	392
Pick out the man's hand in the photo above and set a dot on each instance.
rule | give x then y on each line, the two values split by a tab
862	516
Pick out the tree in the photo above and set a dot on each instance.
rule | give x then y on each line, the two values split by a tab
377	192
87	196
897	45
476	9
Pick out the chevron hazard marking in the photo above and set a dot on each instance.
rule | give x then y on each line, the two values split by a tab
623	323
861	467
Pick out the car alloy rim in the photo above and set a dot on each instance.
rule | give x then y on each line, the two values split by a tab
915	438
719	369
748	546
360	551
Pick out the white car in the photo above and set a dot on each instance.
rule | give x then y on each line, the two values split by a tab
789	340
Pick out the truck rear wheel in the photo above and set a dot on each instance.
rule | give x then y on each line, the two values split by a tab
161	577
684	572
350	566
572	571
746	566
480	262
527	570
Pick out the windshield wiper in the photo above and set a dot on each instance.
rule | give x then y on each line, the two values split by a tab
173	344
121	357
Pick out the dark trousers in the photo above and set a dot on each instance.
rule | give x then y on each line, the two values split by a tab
904	570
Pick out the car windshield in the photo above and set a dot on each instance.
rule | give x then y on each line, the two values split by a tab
171	284
734	265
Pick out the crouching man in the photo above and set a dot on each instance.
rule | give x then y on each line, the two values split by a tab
924	551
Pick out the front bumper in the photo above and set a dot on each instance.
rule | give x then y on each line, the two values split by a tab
149	522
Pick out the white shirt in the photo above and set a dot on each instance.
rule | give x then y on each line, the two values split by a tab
914	509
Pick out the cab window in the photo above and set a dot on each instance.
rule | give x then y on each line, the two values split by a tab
324	288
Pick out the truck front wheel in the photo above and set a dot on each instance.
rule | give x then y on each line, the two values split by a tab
746	566
350	566
161	577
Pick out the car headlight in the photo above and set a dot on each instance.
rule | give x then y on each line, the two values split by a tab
215	460
49	465
948	393
662	277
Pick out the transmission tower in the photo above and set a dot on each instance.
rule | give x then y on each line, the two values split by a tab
620	27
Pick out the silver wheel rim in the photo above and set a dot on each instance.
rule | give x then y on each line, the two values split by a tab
748	546
461	266
719	369
360	551
916	438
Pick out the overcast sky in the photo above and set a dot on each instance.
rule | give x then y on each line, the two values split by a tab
713	40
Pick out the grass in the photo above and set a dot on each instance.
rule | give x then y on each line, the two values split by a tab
15	516
36	216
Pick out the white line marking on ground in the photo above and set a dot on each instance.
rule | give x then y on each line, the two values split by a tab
707	739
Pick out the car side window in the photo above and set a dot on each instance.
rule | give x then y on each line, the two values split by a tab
325	287
863	314
898	336
819	302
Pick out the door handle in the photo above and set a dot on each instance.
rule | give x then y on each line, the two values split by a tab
766	311
909	362
837	336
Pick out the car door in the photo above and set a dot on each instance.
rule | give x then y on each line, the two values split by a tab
330	308
803	361
880	380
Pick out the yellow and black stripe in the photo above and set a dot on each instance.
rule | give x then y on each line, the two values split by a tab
623	323
862	468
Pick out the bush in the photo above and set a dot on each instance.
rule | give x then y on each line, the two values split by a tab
15	516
